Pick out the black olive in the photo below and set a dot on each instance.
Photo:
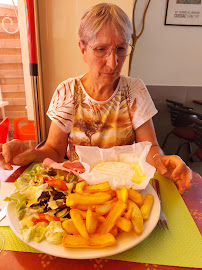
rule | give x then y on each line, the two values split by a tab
52	172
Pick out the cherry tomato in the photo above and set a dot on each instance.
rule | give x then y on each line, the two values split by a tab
55	182
42	217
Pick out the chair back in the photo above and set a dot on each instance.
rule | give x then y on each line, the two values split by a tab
25	132
4	125
197	124
175	103
180	116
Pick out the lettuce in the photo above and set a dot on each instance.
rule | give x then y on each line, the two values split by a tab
35	233
54	233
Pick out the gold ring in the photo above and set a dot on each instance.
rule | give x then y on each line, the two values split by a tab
157	154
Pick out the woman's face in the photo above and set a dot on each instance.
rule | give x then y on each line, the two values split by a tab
104	70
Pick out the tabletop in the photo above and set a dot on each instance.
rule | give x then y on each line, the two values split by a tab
10	260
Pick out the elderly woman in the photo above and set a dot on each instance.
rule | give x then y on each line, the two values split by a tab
101	108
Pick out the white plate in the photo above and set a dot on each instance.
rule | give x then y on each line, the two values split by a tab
124	240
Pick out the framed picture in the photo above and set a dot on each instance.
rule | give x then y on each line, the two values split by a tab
184	12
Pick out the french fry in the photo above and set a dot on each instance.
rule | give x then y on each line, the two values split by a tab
112	193
102	187
137	220
102	240
135	196
82	207
100	218
75	241
114	231
122	194
116	211
80	186
96	198
103	209
115	199
79	223
82	213
147	206
95	241
129	212
99	213
91	222
69	227
124	224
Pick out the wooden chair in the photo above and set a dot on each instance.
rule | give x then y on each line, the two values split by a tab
4	125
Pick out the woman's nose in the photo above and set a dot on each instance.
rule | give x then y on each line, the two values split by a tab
112	60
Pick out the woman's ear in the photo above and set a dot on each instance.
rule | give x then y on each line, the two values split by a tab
83	49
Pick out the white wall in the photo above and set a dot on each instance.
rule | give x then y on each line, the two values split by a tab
167	55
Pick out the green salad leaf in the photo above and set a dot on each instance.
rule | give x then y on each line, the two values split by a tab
35	233
55	232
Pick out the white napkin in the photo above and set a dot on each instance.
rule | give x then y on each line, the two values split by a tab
6	190
134	154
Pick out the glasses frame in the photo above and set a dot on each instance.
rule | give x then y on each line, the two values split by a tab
111	49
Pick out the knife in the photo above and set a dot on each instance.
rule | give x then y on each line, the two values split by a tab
3	213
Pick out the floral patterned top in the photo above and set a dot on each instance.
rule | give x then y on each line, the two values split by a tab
101	123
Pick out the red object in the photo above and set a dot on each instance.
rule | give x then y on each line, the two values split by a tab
26	132
42	217
31	32
58	184
4	130
198	102
186	133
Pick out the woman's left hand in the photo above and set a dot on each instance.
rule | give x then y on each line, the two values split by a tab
173	167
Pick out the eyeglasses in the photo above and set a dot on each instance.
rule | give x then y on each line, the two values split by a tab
121	50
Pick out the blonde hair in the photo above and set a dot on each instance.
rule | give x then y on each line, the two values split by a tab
99	15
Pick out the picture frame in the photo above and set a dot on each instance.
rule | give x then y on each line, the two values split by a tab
184	12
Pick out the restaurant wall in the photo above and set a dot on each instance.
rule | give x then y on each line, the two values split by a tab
167	55
169	60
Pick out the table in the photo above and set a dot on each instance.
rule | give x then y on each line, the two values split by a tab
2	105
14	260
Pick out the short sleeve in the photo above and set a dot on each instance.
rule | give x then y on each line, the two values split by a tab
61	106
145	108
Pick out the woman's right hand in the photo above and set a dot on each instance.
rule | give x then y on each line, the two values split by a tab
15	152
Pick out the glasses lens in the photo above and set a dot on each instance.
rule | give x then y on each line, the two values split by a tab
124	50
121	50
102	51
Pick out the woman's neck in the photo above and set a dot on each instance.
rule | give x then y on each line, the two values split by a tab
97	91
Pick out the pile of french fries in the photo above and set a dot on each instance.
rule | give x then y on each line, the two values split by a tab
99	213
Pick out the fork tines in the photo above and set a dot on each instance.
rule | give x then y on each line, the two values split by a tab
162	224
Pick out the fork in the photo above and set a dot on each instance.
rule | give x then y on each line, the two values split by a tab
162	223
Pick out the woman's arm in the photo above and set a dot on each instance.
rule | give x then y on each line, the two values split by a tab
146	132
171	166
16	153
55	146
